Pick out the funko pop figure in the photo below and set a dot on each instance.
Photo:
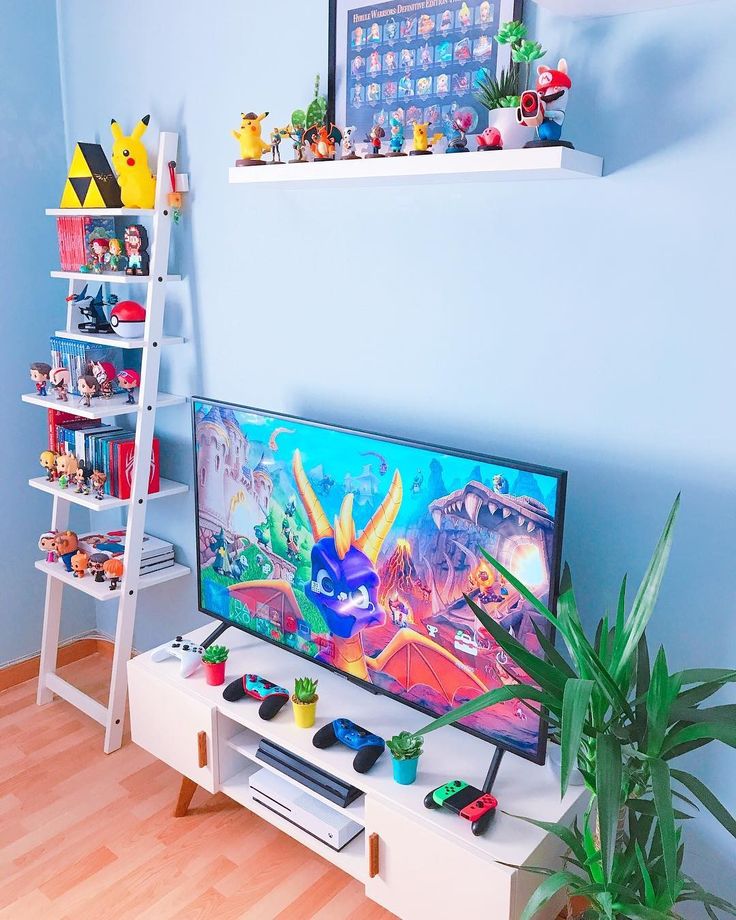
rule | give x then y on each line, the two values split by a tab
48	462
81	479
66	468
40	372
47	544
104	373
113	568
79	563
96	565
88	387
129	380
60	379
67	545
98	480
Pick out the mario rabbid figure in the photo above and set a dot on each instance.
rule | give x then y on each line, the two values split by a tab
544	108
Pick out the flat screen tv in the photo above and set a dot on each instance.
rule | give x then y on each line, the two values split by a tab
355	550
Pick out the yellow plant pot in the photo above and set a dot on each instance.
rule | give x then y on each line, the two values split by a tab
304	713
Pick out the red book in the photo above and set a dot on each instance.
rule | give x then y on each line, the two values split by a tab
55	418
123	466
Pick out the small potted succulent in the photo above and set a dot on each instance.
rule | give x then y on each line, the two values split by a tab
405	750
500	95
304	701
214	659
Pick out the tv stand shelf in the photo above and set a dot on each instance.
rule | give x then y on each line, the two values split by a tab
430	864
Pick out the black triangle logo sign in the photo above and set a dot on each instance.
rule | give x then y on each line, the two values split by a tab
80	185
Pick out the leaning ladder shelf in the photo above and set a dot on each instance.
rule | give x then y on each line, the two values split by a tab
149	400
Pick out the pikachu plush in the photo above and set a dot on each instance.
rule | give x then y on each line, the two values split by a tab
130	159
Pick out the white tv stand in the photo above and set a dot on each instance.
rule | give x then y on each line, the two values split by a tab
419	864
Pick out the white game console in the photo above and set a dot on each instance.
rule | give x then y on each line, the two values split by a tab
302	809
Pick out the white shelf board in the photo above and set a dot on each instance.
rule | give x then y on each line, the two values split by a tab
101	590
115	341
167	487
97	212
110	277
244	743
352	858
500	165
100	408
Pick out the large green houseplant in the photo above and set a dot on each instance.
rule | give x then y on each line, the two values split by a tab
623	722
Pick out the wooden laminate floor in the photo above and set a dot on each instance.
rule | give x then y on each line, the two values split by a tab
86	836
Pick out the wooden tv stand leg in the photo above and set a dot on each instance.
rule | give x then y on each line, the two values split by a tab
186	791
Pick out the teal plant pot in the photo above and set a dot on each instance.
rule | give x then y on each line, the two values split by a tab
405	771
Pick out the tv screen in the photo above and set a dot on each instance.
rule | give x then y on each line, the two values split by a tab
355	550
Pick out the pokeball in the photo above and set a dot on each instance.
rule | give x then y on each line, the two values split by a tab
128	319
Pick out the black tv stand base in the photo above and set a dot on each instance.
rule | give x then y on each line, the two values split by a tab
493	770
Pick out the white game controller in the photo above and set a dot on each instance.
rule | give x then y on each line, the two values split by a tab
188	654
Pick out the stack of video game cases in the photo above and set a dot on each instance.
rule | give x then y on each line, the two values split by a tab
156	554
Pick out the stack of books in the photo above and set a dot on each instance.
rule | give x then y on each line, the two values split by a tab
76	233
157	554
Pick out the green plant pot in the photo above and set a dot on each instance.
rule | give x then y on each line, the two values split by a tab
405	771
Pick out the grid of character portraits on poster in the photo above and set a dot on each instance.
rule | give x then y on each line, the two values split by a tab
418	67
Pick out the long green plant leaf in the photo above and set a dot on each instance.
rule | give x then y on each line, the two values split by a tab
608	786
646	596
706	799
575	702
702	731
484	701
662	791
553	656
548	890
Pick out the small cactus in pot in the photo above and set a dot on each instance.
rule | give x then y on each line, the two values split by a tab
214	659
304	701
405	749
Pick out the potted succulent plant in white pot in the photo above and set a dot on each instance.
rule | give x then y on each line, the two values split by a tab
500	95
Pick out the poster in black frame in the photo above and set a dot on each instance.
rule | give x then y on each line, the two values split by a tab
417	60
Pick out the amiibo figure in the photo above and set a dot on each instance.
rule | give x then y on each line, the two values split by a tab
490	139
464	16
460	126
322	141
130	159
544	108
407	27
48	462
114	259
276	135
392	30
113	568
374	63
129	380
296	133
348	144
67	545
374	139
252	145
60	379
98	249
104	373
357	65
445	22
40	372
422	141
91	308
396	139
358	37
374	33
96	566
47	544
373	92
98	481
136	250
79	563
88	387
425	56
426	25
484	13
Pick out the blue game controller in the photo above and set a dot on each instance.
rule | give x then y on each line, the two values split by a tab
369	746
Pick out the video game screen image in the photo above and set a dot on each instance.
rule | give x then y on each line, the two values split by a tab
355	551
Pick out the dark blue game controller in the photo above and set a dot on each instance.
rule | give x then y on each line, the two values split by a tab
258	688
369	746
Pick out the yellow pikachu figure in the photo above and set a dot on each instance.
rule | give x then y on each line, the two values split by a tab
422	140
130	159
252	145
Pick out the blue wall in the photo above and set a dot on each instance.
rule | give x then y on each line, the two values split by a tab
588	325
32	154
